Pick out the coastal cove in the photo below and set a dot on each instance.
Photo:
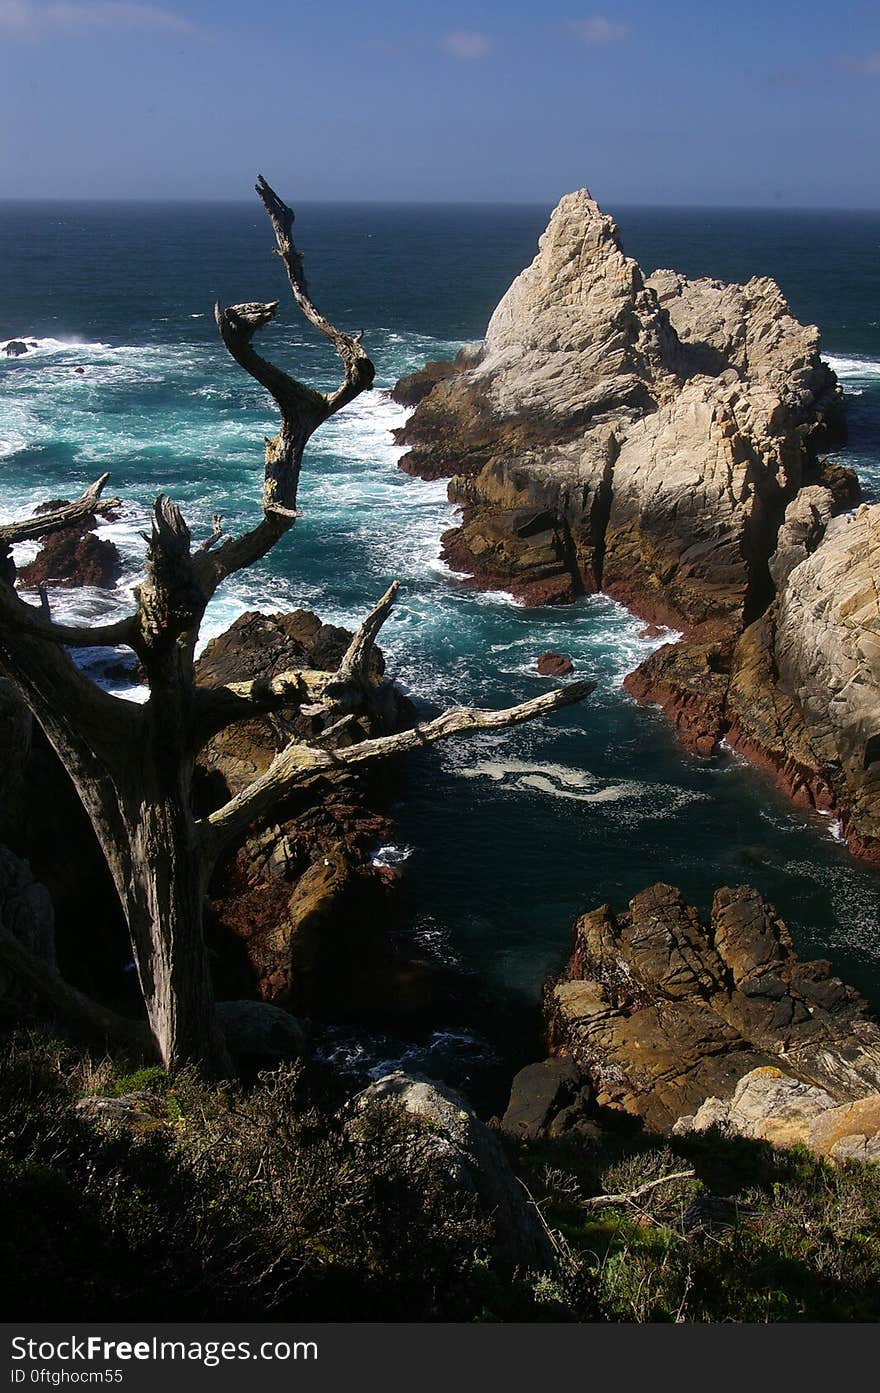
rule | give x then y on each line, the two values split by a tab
503	842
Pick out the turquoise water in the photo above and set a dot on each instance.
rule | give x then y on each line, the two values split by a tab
501	841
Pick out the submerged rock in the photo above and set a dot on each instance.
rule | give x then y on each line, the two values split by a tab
662	1011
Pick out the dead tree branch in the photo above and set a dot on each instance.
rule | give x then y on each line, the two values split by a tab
75	514
303	409
17	614
299	763
633	1196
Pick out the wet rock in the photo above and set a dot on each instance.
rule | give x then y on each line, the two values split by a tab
662	1011
71	558
410	390
554	665
15	348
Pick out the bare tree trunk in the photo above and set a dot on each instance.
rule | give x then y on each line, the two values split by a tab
133	766
164	900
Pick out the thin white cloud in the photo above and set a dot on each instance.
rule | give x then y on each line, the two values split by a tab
466	44
868	64
31	19
596	29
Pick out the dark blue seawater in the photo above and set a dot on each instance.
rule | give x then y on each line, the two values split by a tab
504	840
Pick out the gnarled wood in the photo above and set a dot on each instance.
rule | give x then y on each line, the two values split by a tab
74	514
133	765
299	763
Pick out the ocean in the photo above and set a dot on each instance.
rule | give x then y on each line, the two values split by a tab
501	841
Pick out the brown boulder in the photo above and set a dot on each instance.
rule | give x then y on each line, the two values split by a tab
662	1011
72	558
410	390
554	665
550	1098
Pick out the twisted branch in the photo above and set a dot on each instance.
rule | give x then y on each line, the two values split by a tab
302	408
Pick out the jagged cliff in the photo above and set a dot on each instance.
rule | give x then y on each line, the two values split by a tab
659	439
642	436
673	1018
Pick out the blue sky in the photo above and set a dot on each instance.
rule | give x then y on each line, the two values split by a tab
669	102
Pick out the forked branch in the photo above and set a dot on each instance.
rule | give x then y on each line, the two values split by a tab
359	371
302	408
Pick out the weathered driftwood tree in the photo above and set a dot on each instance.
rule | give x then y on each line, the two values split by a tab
133	764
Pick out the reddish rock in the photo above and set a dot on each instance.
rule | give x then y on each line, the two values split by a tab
554	665
413	389
72	558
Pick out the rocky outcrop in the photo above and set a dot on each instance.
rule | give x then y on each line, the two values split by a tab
73	556
553	665
770	1106
550	1099
642	435
469	1160
299	911
15	348
658	438
798	692
663	1011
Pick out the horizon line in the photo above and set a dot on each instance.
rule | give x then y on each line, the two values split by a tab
102	201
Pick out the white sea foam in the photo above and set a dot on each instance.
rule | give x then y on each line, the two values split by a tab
392	855
579	785
855	366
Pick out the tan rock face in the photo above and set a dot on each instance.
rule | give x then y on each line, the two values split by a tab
770	1106
663	1012
652	429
